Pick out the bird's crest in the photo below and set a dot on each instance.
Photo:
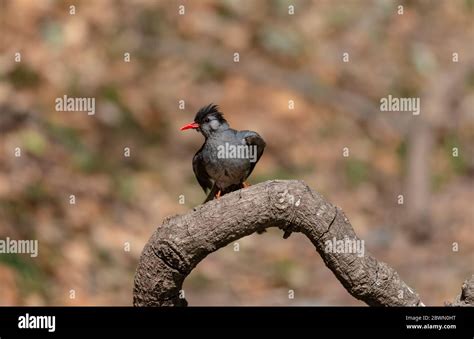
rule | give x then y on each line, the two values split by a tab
207	110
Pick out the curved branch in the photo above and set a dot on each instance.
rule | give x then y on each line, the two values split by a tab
183	241
466	298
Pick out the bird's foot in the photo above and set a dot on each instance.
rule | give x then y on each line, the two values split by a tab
218	195
246	184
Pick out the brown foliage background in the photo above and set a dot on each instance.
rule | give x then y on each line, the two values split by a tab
121	200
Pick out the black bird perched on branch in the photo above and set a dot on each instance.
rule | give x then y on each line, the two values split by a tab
227	157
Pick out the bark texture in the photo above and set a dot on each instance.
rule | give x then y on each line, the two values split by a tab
181	242
466	298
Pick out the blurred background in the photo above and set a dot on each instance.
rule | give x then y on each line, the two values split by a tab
291	85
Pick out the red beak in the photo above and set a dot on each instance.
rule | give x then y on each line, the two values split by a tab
192	125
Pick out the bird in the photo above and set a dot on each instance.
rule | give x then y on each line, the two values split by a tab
227	157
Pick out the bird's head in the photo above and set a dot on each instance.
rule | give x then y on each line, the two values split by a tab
208	120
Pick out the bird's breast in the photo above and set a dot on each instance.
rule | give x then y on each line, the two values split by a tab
226	161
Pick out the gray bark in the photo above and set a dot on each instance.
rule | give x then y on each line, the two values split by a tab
181	242
466	297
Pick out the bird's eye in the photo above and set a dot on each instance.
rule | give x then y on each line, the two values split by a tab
206	120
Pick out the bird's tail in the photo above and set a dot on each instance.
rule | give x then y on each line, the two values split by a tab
215	190
212	193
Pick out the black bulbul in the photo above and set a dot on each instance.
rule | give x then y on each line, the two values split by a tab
227	157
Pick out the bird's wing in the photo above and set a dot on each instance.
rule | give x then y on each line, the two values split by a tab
253	139
200	171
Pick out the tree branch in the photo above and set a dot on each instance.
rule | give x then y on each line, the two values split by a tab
183	241
466	298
